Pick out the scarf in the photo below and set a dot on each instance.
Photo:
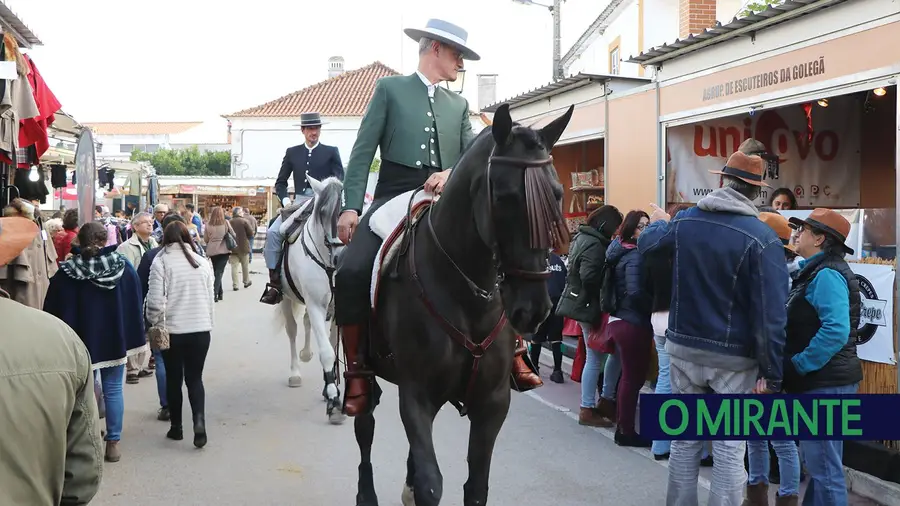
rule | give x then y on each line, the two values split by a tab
104	270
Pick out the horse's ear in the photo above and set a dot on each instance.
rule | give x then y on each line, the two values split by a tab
502	125
552	132
314	183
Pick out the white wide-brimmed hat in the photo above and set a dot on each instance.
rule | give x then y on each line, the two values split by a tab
446	32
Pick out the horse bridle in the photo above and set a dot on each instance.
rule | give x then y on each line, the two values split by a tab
502	271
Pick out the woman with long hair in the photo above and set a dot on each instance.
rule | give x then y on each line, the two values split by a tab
580	301
98	293
214	235
181	300
629	330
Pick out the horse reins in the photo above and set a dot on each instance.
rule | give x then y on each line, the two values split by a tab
477	349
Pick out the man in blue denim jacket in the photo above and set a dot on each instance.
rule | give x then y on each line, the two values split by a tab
727	320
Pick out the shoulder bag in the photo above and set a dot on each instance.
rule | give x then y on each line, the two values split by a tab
230	240
158	335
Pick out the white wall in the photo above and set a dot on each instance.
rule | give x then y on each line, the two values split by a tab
111	144
660	26
258	144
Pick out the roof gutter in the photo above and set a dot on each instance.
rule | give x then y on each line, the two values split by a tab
597	28
751	28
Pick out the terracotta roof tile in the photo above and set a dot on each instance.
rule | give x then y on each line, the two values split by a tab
345	95
141	128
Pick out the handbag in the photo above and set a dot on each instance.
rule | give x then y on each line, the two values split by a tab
158	335
230	240
598	337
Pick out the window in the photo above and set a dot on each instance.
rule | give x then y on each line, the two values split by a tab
614	61
614	56
151	148
126	148
146	148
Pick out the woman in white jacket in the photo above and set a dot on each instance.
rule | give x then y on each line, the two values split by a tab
181	300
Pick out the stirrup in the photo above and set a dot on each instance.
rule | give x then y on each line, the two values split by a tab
279	296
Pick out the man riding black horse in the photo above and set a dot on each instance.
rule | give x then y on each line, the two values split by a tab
313	158
421	130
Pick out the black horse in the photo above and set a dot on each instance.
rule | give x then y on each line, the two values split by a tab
440	330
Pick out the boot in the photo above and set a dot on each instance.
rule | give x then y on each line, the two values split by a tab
113	453
359	386
757	495
606	408
200	430
524	378
589	417
787	500
273	294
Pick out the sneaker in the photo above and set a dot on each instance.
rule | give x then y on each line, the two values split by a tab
132	379
145	373
662	456
707	462
557	377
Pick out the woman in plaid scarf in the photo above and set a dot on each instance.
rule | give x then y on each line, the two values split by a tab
97	293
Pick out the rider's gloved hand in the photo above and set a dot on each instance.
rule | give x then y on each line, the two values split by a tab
347	225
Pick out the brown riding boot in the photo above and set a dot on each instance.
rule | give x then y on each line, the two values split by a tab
757	495
272	295
358	391
523	377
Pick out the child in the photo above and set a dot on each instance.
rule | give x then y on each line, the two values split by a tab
551	329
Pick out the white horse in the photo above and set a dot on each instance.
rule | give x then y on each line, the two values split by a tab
311	262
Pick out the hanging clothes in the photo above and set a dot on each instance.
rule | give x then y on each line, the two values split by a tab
31	190
110	177
33	131
27	277
102	174
58	176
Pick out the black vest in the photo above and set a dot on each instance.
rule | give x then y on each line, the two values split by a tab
803	323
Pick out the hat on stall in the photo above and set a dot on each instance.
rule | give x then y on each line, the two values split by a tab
747	168
780	225
827	222
16	233
446	32
310	119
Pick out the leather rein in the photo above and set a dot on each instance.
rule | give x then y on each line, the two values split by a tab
477	349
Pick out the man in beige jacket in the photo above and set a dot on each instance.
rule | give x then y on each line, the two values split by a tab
49	429
133	250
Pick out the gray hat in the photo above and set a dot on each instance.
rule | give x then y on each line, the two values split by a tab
309	119
446	32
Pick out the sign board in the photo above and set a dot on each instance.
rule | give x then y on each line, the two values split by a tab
86	176
875	339
210	190
818	150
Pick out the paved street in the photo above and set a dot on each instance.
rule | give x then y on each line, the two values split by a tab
270	444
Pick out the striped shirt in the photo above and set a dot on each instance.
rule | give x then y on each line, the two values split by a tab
183	293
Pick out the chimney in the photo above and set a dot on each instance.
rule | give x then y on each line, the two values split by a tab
335	66
487	90
694	16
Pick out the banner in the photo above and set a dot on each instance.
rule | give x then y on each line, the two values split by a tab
875	339
817	147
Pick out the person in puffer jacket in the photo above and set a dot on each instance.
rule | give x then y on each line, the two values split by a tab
629	329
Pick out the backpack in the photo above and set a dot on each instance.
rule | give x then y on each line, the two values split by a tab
608	298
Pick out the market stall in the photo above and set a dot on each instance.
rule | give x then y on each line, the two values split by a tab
815	82
206	192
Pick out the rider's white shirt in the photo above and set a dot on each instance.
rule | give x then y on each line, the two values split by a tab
427	83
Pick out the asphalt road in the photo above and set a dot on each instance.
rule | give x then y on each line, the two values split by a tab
271	445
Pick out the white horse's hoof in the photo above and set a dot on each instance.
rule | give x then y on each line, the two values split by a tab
295	381
306	355
337	418
407	498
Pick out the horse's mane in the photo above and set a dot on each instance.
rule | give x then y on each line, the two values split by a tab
327	207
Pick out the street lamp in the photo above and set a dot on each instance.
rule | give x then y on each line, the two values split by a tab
557	51
457	85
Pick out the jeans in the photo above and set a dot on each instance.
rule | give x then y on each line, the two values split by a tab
788	464
185	359
824	463
219	262
595	362
112	379
160	378
728	477
664	386
632	344
274	243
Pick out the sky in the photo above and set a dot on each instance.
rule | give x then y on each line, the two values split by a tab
193	60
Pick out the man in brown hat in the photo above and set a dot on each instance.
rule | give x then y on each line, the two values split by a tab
823	317
51	445
726	326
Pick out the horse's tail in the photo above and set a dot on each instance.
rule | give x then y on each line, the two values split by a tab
284	309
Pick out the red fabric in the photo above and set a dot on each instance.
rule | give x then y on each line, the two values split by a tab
34	130
571	328
63	244
598	338
580	359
